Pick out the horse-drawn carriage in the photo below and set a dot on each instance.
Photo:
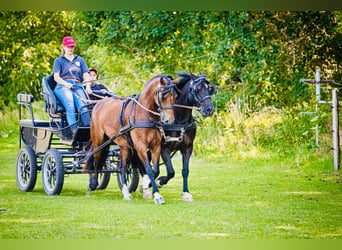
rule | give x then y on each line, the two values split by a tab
54	149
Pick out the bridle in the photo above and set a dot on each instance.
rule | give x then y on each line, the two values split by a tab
161	91
194	91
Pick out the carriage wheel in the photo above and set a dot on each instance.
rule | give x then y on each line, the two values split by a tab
132	178
104	178
52	172
26	169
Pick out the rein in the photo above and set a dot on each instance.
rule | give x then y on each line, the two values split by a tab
186	107
143	107
84	100
133	99
146	109
98	96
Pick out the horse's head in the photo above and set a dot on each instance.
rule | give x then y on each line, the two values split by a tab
165	96
199	92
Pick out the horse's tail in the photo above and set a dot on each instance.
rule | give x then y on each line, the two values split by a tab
89	165
103	158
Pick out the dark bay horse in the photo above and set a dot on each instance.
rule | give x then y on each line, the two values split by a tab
195	91
134	124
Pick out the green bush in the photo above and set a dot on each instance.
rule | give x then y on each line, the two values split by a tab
9	117
241	130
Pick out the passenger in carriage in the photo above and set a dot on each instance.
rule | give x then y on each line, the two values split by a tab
100	89
69	71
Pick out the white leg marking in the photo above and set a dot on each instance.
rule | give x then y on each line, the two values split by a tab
147	194
145	181
144	187
126	194
187	197
158	199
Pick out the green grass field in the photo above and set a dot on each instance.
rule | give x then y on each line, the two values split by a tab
261	196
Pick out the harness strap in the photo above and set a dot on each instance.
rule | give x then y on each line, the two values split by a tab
138	124
178	126
124	129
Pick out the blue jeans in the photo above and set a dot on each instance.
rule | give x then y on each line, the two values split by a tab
72	104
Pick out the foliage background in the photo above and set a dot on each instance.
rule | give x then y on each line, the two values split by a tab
257	56
255	60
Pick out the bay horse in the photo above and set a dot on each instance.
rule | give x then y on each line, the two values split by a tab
195	91
134	125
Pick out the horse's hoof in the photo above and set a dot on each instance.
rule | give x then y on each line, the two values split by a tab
141	189
158	184
92	183
126	193
128	197
147	194
187	197
92	187
158	199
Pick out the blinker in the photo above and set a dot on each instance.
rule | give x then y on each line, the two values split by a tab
211	90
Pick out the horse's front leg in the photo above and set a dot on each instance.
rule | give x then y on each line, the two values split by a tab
144	186
125	153
158	199
185	173
163	180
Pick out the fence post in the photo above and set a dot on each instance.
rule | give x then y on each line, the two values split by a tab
335	130
318	98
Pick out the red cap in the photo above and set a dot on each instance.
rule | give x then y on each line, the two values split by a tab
68	41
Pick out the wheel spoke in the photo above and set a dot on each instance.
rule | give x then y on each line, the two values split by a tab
49	172
52	168
25	168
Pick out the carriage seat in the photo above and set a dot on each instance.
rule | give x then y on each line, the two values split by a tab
52	104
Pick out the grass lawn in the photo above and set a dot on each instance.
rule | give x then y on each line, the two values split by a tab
256	196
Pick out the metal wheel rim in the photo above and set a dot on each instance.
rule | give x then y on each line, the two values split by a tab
50	172
24	169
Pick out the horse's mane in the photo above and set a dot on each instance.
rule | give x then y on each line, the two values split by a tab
147	89
160	75
185	77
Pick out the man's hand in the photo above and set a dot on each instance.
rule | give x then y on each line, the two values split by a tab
68	85
88	89
103	91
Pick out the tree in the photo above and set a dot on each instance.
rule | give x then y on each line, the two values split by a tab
29	43
267	51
